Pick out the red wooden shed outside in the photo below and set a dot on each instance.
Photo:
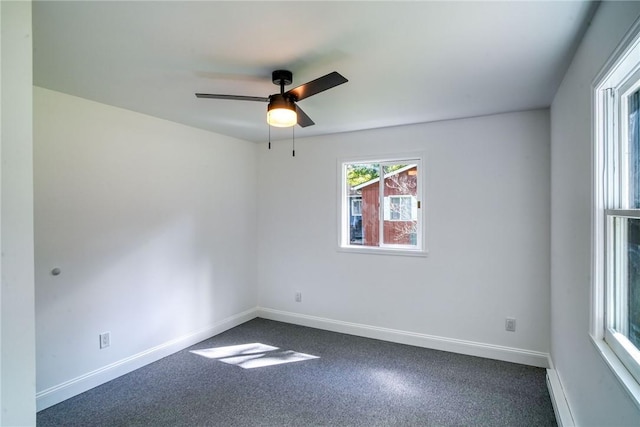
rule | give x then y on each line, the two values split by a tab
399	210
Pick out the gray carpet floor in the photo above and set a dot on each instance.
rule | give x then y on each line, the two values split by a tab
354	382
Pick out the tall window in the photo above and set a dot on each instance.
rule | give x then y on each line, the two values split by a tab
616	289
381	205
622	231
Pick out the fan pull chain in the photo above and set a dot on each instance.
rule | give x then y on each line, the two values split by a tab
293	134
269	126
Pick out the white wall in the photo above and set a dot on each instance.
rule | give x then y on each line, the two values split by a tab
594	396
153	226
487	202
17	325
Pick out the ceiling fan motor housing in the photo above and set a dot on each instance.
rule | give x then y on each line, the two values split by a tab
282	77
281	101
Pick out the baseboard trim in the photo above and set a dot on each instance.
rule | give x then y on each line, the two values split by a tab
75	386
508	354
82	383
559	400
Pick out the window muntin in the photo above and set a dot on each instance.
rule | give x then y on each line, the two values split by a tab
381	214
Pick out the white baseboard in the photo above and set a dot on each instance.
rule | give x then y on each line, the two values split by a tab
559	400
75	386
507	354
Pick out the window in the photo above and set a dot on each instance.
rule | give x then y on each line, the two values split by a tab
356	206
381	205
616	237
400	208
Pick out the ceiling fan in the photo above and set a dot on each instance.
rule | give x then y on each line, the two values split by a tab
282	110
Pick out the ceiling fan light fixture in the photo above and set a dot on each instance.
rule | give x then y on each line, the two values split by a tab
281	112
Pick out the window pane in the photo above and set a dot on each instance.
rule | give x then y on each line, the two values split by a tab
634	150
628	290
625	304
400	196
356	207
362	181
633	281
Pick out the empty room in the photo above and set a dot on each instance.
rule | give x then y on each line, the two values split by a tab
320	213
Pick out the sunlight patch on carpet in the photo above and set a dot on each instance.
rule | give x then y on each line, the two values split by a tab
254	355
394	382
234	350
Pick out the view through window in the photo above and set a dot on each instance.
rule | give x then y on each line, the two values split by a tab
623	227
381	205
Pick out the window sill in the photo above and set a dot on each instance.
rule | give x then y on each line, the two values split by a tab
383	251
627	380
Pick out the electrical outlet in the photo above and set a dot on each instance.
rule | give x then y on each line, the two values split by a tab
298	296
105	339
510	324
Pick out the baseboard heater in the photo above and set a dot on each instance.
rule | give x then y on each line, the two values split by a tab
559	400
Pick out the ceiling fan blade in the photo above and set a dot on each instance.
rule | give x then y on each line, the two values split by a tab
233	97
303	119
318	85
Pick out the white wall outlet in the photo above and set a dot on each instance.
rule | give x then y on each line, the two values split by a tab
510	324
298	296
105	339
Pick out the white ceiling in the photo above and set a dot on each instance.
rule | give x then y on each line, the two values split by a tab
407	62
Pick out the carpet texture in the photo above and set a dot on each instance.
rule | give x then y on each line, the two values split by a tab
353	382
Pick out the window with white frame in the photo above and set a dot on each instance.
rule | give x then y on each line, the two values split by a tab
356	207
381	205
616	288
400	208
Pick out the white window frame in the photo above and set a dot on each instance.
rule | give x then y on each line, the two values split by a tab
344	245
614	84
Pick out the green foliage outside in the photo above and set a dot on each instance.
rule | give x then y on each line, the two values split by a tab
358	173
